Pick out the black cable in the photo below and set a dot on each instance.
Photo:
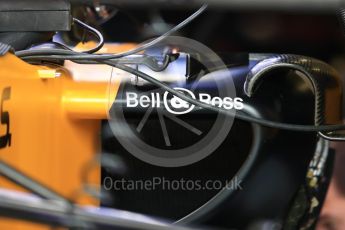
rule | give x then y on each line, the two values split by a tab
65	54
238	114
59	54
63	47
95	33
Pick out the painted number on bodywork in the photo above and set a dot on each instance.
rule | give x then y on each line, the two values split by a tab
5	140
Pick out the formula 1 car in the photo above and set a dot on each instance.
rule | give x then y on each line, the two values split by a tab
99	131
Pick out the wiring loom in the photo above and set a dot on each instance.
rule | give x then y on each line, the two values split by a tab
115	60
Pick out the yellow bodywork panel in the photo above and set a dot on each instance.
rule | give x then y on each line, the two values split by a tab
53	128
